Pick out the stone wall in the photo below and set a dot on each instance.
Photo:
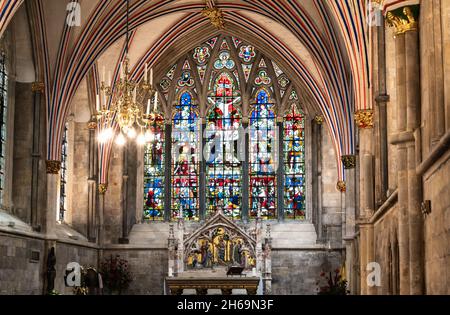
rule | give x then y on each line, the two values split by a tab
148	267
295	272
18	274
437	231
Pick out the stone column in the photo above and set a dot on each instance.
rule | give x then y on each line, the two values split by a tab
363	258
125	177
92	182
317	176
53	169
102	188
381	99
416	233
38	90
409	192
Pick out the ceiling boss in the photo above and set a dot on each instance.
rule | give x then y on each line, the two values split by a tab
132	116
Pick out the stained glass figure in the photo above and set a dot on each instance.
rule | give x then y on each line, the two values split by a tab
294	164
224	174
154	169
185	157
262	158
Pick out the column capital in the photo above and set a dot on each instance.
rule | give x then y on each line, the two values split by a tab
364	118
38	87
53	167
341	186
349	161
102	188
404	19
319	119
93	123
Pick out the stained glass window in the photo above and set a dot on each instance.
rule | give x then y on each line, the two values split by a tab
294	164
262	158
185	160
3	120
224	173
154	169
63	177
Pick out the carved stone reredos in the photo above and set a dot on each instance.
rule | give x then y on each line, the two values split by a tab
219	220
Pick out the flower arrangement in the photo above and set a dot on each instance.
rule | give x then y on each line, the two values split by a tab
335	285
115	274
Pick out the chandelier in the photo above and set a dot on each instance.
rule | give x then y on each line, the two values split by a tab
125	108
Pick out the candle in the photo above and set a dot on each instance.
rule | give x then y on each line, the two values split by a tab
109	77
134	95
104	74
97	102
146	73
151	77
156	101
148	107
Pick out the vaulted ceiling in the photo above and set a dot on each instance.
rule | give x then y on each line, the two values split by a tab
322	45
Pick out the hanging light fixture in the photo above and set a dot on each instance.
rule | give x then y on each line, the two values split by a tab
125	109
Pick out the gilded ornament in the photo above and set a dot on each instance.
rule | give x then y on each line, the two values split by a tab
404	20
349	161
53	167
102	188
214	14
364	119
341	186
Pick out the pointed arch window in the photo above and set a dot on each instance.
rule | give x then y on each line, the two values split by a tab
263	157
63	176
185	159
224	168
154	169
3	122
294	164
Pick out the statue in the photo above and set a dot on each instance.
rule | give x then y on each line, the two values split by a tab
237	253
51	271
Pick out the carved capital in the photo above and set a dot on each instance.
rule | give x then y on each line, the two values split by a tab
319	119
38	87
404	19
349	161
364	119
102	188
92	125
341	186
53	167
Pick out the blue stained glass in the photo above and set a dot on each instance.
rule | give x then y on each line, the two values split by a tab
185	157
262	158
294	164
154	170
223	165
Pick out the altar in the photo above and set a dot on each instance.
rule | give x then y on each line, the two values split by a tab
219	257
